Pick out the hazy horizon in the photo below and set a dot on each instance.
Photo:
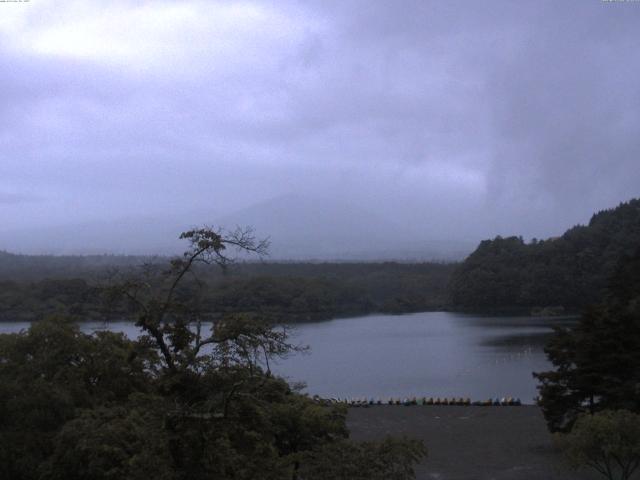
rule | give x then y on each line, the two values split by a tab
342	130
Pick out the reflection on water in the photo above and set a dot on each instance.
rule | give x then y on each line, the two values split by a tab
524	340
425	354
432	354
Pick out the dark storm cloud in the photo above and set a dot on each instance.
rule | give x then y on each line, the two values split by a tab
457	119
567	111
548	91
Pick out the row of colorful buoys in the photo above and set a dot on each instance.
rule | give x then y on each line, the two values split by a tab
504	401
446	401
365	402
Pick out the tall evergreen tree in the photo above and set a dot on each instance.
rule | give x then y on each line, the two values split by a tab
597	362
571	271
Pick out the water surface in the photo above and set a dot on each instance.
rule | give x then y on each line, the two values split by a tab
421	354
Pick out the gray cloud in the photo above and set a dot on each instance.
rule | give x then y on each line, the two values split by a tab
451	119
7	198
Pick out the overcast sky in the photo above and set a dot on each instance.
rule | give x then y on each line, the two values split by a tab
468	118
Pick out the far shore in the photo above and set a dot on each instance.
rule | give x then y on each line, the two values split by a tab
22	317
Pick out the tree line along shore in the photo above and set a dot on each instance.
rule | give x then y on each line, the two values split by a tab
182	402
561	275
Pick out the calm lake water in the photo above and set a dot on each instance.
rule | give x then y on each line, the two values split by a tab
422	354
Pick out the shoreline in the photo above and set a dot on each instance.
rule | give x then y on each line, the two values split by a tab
317	317
470	442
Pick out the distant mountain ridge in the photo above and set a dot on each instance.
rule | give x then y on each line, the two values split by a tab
300	227
303	227
570	271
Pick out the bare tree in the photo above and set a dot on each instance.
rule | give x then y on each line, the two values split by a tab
169	315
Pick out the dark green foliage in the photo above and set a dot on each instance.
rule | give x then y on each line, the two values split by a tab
76	406
290	292
608	442
120	442
180	403
571	271
597	362
48	375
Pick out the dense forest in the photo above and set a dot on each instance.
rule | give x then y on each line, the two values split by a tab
562	274
103	406
33	287
177	403
26	268
597	362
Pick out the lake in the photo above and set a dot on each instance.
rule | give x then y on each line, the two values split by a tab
437	354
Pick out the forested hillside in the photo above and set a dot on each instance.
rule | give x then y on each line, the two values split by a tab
37	267
102	406
570	271
504	274
597	361
33	287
